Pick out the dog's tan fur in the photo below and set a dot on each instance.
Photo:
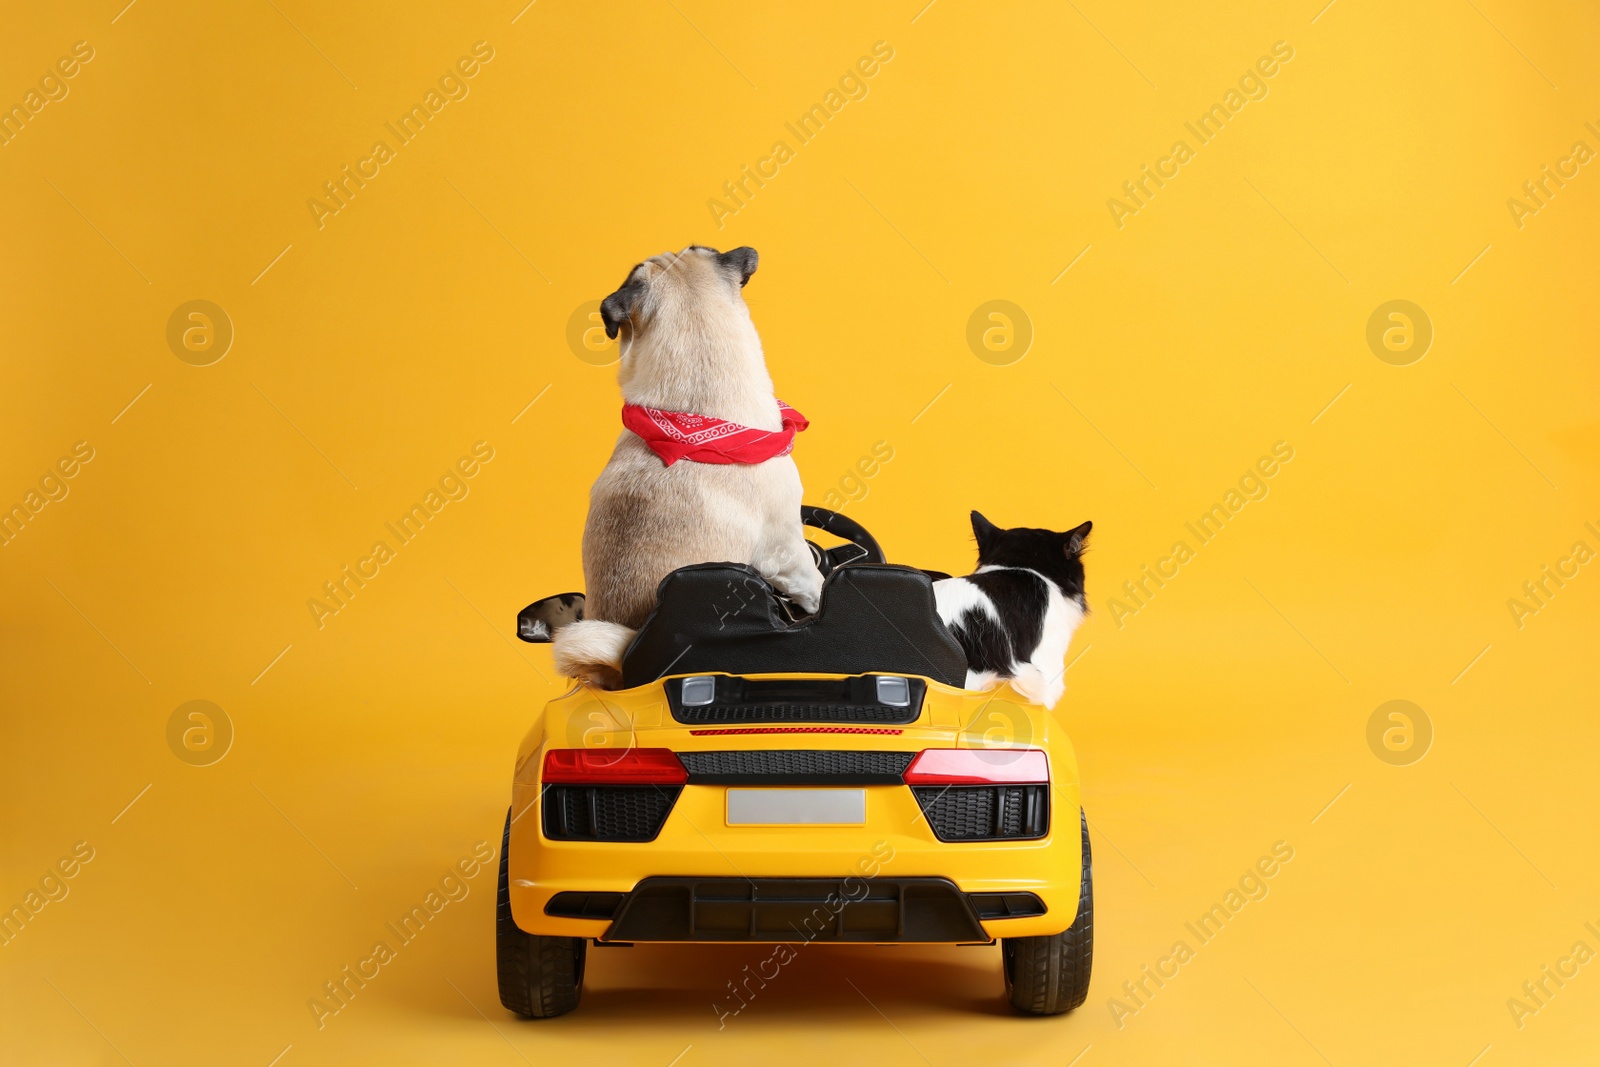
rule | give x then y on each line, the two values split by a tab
687	345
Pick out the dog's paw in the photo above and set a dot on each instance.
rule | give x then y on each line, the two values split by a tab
807	601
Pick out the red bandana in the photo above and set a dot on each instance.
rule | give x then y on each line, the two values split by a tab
675	435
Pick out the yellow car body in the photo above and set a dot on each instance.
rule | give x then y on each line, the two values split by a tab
696	841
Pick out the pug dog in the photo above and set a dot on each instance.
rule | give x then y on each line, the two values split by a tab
701	472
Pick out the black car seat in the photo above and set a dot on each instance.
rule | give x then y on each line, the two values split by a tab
726	618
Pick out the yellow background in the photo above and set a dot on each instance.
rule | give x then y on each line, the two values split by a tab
1225	316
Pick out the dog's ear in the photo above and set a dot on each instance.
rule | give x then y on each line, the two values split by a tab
740	261
1073	541
985	531
618	307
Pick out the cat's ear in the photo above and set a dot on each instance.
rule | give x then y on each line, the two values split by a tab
1073	540
985	531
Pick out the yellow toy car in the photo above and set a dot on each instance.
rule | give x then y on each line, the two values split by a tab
762	779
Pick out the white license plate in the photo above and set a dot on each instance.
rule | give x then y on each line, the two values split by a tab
797	807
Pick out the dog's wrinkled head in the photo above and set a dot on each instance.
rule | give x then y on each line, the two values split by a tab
688	288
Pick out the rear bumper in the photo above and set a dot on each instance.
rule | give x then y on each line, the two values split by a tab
701	880
879	911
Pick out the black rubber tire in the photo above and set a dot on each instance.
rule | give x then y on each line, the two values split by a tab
539	976
1050	975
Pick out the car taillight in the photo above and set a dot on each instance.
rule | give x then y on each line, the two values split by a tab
600	766
978	766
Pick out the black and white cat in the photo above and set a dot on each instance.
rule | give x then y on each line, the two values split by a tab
1014	616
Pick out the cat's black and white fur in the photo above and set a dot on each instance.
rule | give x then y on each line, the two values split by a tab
1014	616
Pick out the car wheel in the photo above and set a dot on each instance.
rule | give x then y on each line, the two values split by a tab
1050	975
539	976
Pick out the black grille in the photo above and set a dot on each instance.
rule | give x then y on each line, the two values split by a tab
796	910
606	812
796	767
985	812
742	700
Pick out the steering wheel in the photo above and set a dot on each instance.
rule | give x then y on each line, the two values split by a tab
862	546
